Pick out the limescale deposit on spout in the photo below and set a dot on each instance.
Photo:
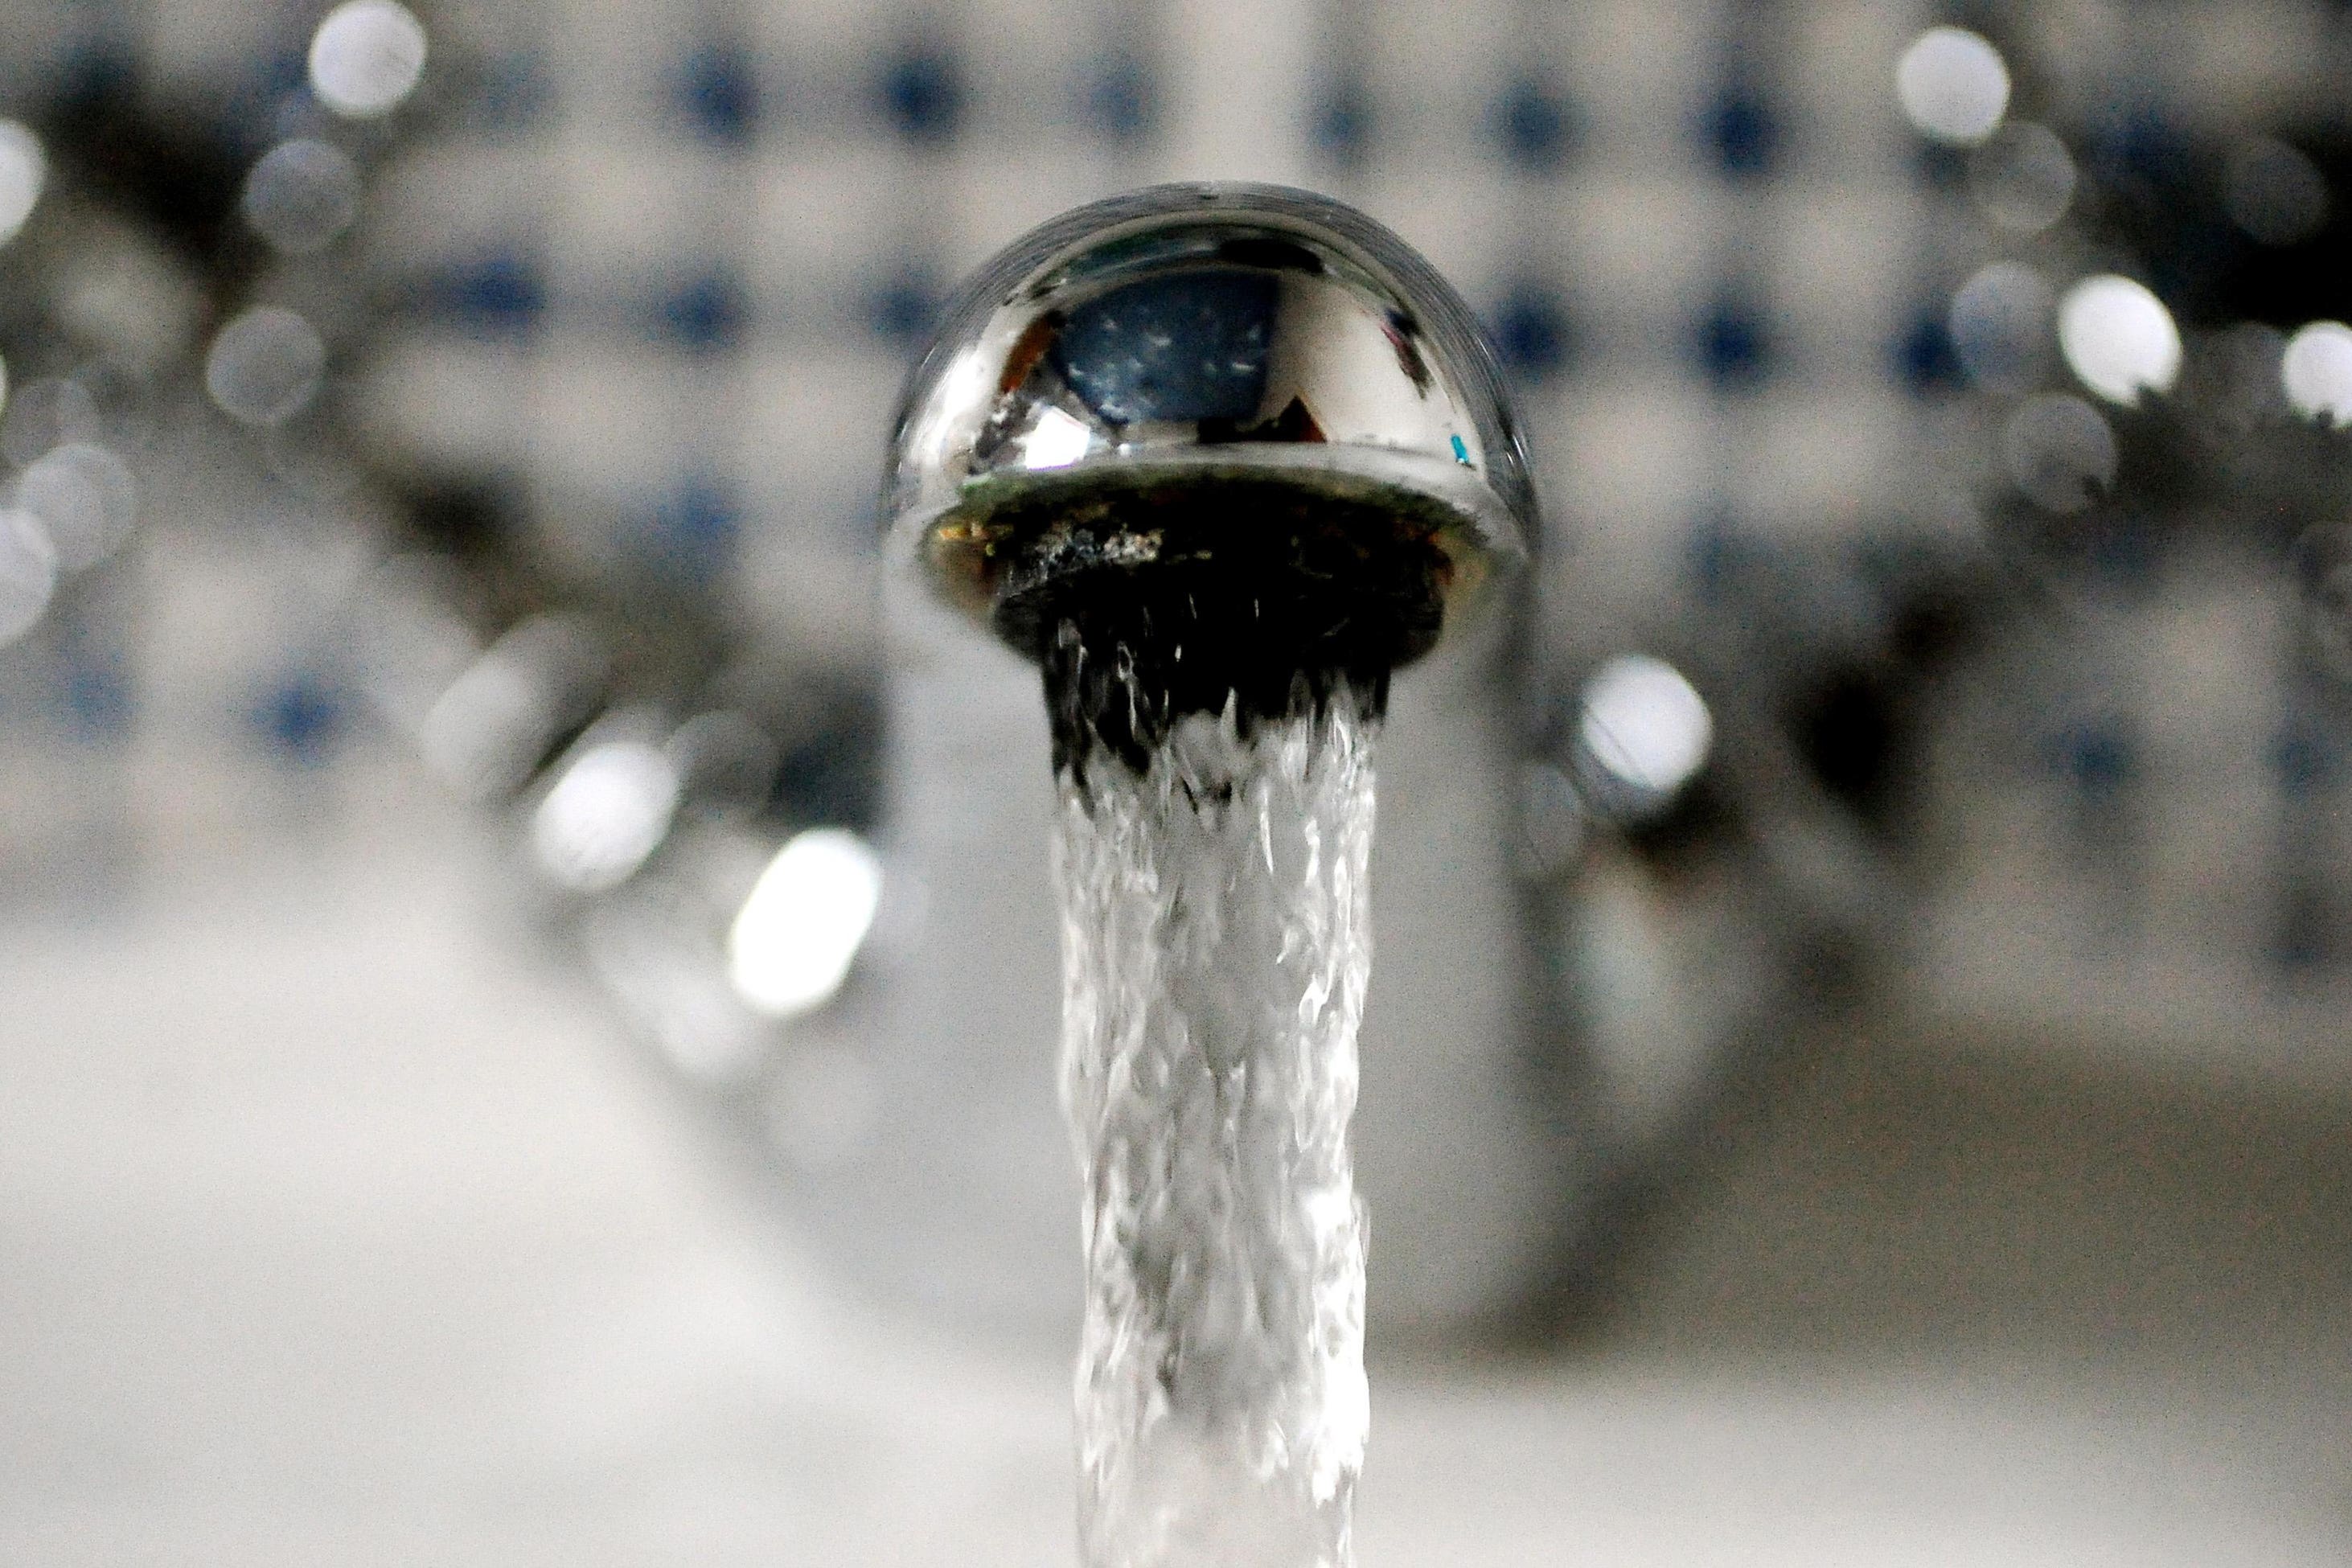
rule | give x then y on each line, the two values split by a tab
1215	948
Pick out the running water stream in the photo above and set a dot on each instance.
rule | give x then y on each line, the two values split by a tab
1215	948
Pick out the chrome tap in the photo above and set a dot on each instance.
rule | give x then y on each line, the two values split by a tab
1256	394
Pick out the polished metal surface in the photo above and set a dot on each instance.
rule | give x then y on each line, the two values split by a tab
1209	336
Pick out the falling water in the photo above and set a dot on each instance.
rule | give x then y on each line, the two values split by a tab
1215	946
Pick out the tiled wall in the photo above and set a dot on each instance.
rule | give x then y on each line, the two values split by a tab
662	263
686	284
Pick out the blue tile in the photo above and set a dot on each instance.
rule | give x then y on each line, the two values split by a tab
904	306
497	295
692	531
1339	123
1536	125
300	718
922	94
514	91
1925	359
2122	555
1734	348
2098	759
2304	933
95	698
719	92
280	72
1529	326
1941	167
1718	553
831	772
1740	128
2303	760
1118	101
2140	142
705	313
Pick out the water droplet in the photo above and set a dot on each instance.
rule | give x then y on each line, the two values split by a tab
489	729
793	940
608	811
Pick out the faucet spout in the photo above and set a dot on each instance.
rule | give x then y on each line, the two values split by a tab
1244	434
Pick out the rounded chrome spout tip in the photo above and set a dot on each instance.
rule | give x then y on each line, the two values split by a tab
1249	392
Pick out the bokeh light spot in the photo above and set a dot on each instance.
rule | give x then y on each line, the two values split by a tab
28	572
609	810
2118	338
265	365
1999	323
303	195
2274	192
1644	725
2059	452
85	497
366	56
2316	370
2022	178
793	942
1953	86
24	169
